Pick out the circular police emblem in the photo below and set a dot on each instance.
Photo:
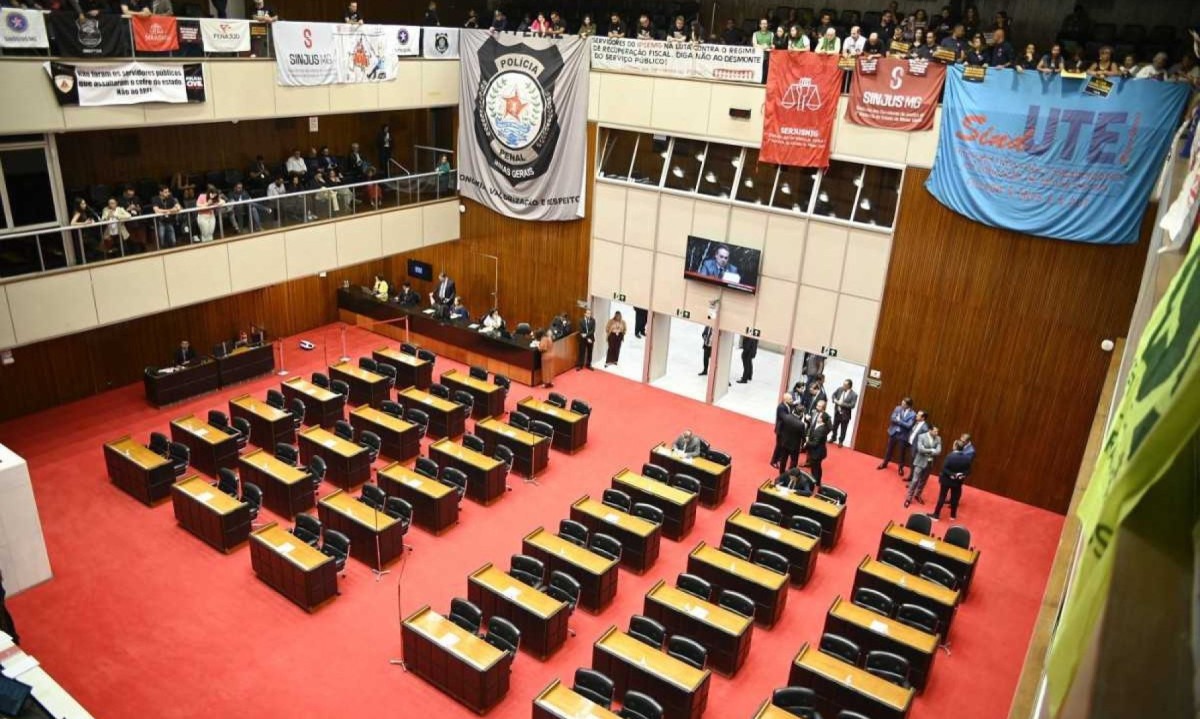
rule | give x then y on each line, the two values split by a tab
402	36
441	43
17	22
89	33
515	109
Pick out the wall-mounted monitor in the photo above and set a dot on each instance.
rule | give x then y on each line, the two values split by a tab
420	270
721	263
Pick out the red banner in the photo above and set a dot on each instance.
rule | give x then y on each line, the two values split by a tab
802	97
155	33
899	95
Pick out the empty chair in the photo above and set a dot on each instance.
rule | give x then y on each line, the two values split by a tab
637	705
419	418
466	399
501	381
688	651
648	512
466	615
594	686
252	495
920	522
805	525
336	545
227	481
478	372
578	406
655	472
180	456
504	454
373	496
648	631
527	570
716	455
241	424
427	467
297	409
344	429
847	714
395	409
320	379
566	589
831	494
935	572
439	390
557	400
456	478
898	559
917	617
835	645
774	561
520	420
388	371
617	499
800	701
399	508
307	529
287	453
426	355
275	399
523	328
503	635
693	585
368	364
159	444
874	600
340	387
959	536
686	482
888	666
605	545
541	429
766	512
316	470
371	442
408	349
473	443
218	419
736	602
574	532
737	546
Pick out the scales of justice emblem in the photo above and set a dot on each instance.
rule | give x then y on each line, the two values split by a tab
802	95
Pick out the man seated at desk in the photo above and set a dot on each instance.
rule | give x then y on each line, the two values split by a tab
493	322
243	340
687	444
185	353
408	297
797	480
380	289
560	326
458	311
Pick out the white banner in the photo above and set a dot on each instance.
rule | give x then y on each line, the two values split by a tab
130	83
23	28
225	35
440	42
304	53
408	40
314	53
365	53
739	63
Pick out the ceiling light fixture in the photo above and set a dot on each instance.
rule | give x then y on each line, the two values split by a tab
785	188
865	204
677	171
710	176
823	197
749	183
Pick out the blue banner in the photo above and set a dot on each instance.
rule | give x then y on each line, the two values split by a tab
1034	153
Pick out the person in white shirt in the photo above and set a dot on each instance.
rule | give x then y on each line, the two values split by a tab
854	42
1156	70
295	164
493	322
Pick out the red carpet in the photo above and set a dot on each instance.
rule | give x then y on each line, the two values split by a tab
142	619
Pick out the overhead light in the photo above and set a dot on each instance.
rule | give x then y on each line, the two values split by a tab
785	188
736	162
724	195
663	154
758	200
823	197
699	157
796	207
816	175
749	183
865	204
858	181
677	171
871	221
710	176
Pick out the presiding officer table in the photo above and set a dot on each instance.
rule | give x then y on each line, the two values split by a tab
459	663
411	371
210	447
597	575
531	452
840	685
375	538
541	618
570	428
287	490
726	634
220	520
714	478
347	465
292	568
680	688
435	505
169	385
144	475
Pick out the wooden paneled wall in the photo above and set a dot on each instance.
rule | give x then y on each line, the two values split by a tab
998	334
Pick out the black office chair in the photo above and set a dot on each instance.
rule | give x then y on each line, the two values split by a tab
457	479
637	705
935	572
766	512
344	429
253	496
847	714
693	585
503	635
594	686
918	617
394	409
218	419
831	494
716	455
227	481
616	499
466	615
520	420
578	406
574	532
426	467
320	379
439	390
338	386
316	470
541	429
287	453
800	701
388	371
655	472
774	561
504	454
874	600
180	457
501	381
426	355
687	651
898	559
704	448
527	570
466	399
399	508
566	589
736	602
805	525
419	418
297	409
605	545
920	522
373	496
307	529
336	545
408	349
889	667
523	328
835	645
473	443
371	442
737	546
275	399
646	630
557	400
478	372
241	424
959	536
648	512
368	364
686	482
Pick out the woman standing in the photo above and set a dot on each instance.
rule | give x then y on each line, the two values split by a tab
615	329
545	346
206	220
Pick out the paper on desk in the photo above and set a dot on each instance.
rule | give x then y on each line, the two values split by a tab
18	664
610	517
512	592
510	433
878	626
698	612
202	432
329	442
427	312
413	482
448	640
286	548
773	533
204	496
927	543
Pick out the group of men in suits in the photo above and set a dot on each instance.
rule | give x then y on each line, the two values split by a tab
801	427
910	430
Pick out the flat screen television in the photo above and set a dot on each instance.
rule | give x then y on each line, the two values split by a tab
720	263
420	270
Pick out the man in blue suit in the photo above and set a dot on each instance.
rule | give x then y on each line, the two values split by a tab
900	425
718	264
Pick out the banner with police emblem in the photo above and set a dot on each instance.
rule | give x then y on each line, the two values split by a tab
129	83
23	28
100	36
522	130
408	40
440	43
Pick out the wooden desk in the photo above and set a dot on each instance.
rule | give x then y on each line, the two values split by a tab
287	490
485	475
714	478
829	515
169	385
210	447
375	538
459	663
243	363
905	588
597	575
923	548
680	688
347	465
268	426
570	428
724	633
321	406
435	505
541	618
558	701
144	475
366	387
446	418
401	440
489	398
872	631
839	686
292	568
767	710
725	571
678	507
531	452
639	539
410	371
220	520
801	550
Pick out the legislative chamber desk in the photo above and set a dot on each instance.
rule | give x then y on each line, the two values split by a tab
829	515
680	688
411	371
366	387
726	634
714	478
872	631
905	588
541	618
459	663
321	406
489	398
292	568
639	538
375	538
268	425
446	418
169	385
724	571
842	686
570	428
144	475
678	506
347	465
769	711
287	490
923	548
401	440
210	447
531	452
220	520
800	549
485	475
597	575
435	505
558	701
243	363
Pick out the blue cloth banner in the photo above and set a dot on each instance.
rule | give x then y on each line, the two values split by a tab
1034	153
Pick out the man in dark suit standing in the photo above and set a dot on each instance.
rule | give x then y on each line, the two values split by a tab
955	471
791	437
706	339
444	293
587	340
783	409
640	316
749	352
818	435
185	353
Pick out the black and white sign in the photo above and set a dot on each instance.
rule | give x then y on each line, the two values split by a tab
131	83
440	43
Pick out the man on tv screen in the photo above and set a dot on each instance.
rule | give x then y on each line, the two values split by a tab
718	266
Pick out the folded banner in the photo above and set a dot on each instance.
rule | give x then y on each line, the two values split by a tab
899	95
225	35
440	42
155	33
738	63
101	36
802	97
130	83
308	53
408	40
1036	154
23	28
522	129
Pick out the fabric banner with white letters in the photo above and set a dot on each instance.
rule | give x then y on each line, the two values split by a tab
738	63
333	54
522	130
225	35
440	43
130	83
23	28
304	53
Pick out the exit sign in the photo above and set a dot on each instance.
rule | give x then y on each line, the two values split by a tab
829	351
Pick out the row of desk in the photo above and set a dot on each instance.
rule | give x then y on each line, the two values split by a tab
207	374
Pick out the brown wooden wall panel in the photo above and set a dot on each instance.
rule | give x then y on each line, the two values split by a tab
998	334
